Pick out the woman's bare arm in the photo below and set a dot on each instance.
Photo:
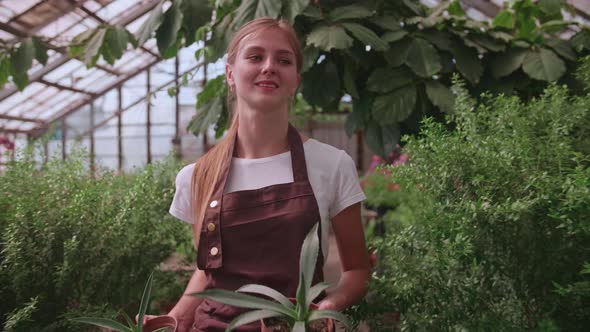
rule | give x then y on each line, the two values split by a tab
352	286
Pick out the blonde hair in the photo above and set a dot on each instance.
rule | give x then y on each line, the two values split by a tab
208	167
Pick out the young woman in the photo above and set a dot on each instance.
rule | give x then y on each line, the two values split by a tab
254	196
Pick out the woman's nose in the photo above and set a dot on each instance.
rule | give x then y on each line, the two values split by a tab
269	66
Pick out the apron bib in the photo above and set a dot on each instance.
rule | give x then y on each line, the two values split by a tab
255	236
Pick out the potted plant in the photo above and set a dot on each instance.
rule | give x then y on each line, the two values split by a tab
158	324
283	314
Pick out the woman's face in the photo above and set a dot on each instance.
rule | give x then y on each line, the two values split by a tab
264	74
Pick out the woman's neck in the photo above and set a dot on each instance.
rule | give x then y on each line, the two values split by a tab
262	133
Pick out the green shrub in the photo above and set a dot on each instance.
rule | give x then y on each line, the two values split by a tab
499	232
76	243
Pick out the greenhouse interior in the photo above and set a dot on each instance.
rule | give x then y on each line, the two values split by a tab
467	123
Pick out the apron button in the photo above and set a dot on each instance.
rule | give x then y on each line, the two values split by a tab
213	204
214	251
211	227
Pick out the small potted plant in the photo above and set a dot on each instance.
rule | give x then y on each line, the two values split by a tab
157	324
283	314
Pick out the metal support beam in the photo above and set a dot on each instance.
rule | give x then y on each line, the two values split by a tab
176	144
120	131
92	152
20	118
63	87
13	131
64	130
148	121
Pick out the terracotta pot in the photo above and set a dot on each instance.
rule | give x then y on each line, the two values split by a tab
264	328
159	322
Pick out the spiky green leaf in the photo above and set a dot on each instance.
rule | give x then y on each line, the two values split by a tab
266	291
309	256
145	299
331	314
315	291
103	322
244	301
249	317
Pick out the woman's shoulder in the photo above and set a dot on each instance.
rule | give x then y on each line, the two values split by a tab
185	174
323	154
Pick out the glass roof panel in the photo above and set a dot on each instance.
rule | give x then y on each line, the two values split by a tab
12	103
3	34
42	112
68	26
115	9
18	7
67	69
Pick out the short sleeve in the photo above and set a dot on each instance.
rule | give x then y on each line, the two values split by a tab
181	204
346	184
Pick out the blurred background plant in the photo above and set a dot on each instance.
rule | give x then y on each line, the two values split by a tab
497	235
71	243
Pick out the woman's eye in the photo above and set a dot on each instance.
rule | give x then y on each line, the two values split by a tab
255	57
285	61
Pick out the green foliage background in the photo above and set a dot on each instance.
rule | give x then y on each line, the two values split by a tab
498	235
72	245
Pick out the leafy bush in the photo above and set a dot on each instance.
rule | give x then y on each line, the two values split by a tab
500	233
75	243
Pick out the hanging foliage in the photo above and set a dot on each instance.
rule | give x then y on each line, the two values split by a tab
395	58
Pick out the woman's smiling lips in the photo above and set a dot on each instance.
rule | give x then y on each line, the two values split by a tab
267	85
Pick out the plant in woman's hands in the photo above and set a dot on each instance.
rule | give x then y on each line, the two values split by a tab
299	314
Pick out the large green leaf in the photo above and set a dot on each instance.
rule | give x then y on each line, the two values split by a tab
327	37
393	36
151	24
382	139
354	122
22	58
207	114
266	291
504	19
387	23
551	8
423	58
196	13
440	95
92	48
270	8
396	106
4	68
489	43
167	32
293	8
310	57
398	52
308	257
116	40
243	301
348	81
321	85
467	62
456	9
103	322
40	51
440	39
383	80
249	317
543	65
366	36
244	13
563	48
348	12
581	40
331	314
507	62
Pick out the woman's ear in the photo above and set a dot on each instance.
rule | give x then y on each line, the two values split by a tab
229	75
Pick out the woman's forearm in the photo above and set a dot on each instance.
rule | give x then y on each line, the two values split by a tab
351	288
186	305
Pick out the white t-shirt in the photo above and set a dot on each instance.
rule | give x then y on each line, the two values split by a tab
332	174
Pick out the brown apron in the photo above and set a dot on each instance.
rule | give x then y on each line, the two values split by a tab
255	236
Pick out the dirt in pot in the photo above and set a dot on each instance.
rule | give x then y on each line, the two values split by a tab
277	325
321	325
